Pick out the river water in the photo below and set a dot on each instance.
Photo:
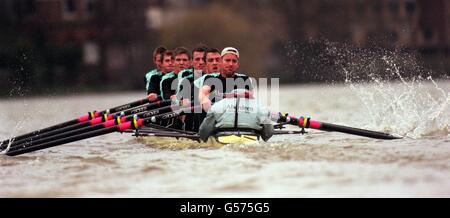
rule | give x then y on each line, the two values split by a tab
317	164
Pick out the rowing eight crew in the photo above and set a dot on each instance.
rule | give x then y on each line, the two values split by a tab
202	77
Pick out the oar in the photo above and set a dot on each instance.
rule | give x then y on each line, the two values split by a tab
175	135
287	132
117	121
164	133
92	122
306	122
162	128
81	119
107	127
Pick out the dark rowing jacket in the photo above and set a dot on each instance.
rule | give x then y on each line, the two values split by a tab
168	85
220	84
187	90
184	73
152	81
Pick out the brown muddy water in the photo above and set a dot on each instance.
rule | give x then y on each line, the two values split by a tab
317	164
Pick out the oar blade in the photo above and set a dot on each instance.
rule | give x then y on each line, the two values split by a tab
356	131
306	122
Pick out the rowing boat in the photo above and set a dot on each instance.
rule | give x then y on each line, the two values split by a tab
212	143
141	119
156	137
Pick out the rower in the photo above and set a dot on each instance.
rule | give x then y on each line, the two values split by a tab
155	82
189	90
213	65
238	113
198	64
153	77
211	86
224	82
169	82
186	88
186	77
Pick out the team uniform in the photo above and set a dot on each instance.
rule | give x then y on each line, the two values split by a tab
152	81
187	90
185	73
168	85
219	86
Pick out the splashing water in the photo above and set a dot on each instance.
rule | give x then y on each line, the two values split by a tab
407	108
18	126
413	106
17	90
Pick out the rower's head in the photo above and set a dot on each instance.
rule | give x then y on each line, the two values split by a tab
182	59
167	62
230	61
157	56
213	61
197	57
